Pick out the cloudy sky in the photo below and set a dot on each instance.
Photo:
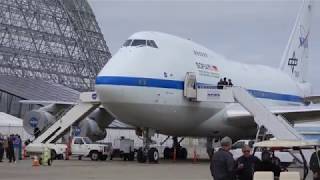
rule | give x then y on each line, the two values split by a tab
250	31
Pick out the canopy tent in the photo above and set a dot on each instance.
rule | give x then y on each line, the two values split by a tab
12	125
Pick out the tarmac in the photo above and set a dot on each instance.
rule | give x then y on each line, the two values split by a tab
110	170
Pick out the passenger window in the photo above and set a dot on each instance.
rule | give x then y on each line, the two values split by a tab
151	43
138	42
78	141
251	143
238	145
127	43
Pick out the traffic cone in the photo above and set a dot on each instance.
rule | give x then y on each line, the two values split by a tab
195	157
35	161
67	153
24	154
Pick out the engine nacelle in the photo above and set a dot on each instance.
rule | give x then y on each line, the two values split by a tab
38	118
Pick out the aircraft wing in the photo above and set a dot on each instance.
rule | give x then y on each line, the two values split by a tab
299	113
311	113
46	102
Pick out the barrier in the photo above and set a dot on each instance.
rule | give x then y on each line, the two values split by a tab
24	152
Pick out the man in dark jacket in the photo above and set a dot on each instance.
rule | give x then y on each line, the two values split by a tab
266	164
11	155
314	165
36	132
1	147
222	163
220	84
246	164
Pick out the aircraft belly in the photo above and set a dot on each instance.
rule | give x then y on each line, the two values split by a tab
164	110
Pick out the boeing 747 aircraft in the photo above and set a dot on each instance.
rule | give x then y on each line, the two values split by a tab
153	83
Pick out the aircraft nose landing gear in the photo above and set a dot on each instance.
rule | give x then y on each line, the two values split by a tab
147	153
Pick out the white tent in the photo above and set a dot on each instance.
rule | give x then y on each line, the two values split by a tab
12	125
8	120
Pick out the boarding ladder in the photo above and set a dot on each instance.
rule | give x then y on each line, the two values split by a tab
279	127
87	104
267	122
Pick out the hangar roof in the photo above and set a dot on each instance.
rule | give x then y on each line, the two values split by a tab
36	89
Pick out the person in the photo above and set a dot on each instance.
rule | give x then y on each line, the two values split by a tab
230	83
267	165
246	164
36	132
1	147
314	165
220	84
16	146
6	146
20	147
225	82
11	155
222	162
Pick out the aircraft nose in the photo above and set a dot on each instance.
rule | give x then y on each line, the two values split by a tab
108	90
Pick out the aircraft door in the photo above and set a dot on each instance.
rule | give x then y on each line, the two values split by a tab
190	83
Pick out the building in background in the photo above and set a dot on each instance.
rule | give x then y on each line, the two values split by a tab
48	49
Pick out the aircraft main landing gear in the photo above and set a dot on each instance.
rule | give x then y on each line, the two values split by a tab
180	152
147	153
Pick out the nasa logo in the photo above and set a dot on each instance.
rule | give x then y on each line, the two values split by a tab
94	96
33	122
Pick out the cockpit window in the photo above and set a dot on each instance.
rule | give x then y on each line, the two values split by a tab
138	42
127	43
151	43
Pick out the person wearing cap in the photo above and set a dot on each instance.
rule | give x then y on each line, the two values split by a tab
246	164
222	163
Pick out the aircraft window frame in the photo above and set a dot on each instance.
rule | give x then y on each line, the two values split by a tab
78	141
251	143
139	44
238	145
127	43
151	43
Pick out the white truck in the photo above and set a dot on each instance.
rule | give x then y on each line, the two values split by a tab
80	146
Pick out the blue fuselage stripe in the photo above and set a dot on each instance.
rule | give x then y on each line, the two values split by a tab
174	84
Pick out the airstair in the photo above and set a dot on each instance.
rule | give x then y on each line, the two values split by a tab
267	122
279	127
87	104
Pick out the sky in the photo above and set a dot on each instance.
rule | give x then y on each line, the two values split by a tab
249	31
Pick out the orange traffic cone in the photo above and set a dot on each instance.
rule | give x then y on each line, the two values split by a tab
195	156
24	154
35	161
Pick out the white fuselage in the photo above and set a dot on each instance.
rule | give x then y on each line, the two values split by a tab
143	86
